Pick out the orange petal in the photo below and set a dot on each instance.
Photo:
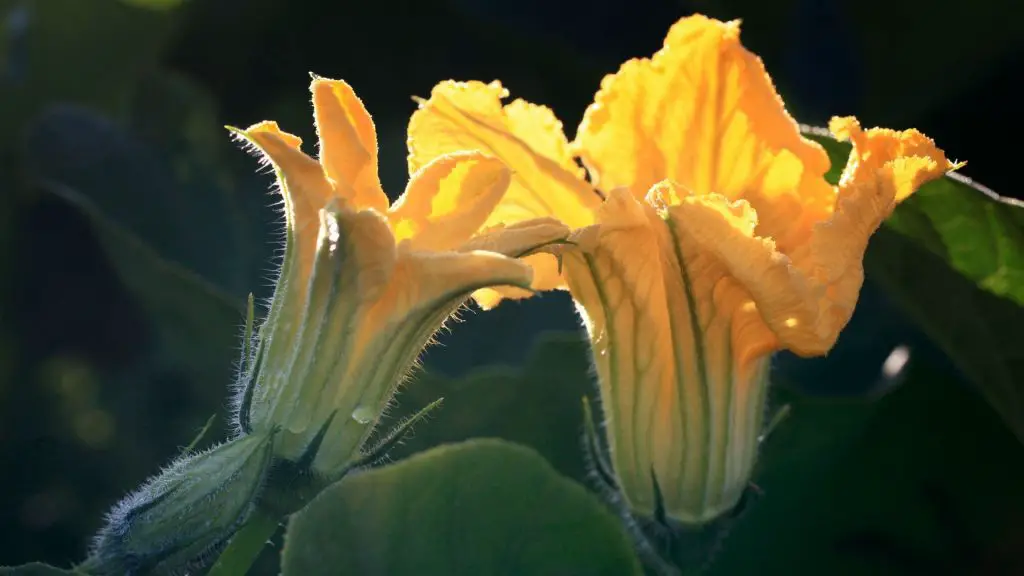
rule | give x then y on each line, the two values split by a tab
527	138
915	157
546	276
522	240
448	200
703	112
792	305
303	186
519	239
807	297
885	167
348	142
426	288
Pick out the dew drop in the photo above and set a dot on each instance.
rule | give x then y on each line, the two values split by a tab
362	414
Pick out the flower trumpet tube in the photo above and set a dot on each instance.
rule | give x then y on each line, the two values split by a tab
706	239
364	283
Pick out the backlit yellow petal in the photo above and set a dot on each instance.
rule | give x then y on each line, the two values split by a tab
448	200
885	167
425	289
527	138
539	128
424	281
914	157
546	276
792	305
703	112
518	240
303	186
348	142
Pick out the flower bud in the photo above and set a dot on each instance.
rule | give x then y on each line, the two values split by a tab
179	519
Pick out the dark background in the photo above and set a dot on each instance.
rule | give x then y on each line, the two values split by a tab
92	397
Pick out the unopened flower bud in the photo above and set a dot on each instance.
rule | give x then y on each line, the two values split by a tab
180	518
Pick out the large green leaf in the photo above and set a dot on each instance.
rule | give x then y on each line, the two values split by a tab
479	507
952	256
981	332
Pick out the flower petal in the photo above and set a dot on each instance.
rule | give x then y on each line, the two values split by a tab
703	112
791	304
679	354
448	200
520	241
885	167
914	156
355	259
303	186
807	297
391	332
527	138
348	142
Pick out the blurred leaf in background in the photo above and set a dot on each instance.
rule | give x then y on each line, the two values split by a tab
94	398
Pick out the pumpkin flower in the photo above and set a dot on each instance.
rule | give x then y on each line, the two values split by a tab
706	239
364	283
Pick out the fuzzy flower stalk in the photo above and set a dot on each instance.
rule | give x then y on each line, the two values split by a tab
705	239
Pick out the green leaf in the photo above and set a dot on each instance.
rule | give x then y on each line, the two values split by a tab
197	322
187	241
920	481
36	569
479	507
979	331
160	183
973	229
952	256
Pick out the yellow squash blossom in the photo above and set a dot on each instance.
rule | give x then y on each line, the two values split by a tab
706	239
365	284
